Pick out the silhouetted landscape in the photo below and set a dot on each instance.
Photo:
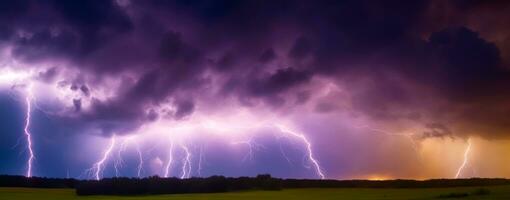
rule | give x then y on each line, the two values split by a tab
216	184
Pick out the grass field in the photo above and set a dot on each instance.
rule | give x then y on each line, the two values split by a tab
494	192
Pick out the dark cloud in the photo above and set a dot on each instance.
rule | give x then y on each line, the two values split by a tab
454	66
13	7
437	130
280	81
302	47
91	16
85	90
153	115
48	75
184	108
9	11
77	104
112	117
173	49
226	62
469	65
71	31
267	56
45	44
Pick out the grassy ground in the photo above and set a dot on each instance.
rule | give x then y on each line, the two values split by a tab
494	192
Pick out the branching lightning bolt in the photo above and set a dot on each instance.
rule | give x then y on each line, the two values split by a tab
140	159
284	154
123	146
28	101
310	156
170	159
466	157
408	136
11	76
199	170
98	167
252	145
186	163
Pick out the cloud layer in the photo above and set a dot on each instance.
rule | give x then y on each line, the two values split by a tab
426	64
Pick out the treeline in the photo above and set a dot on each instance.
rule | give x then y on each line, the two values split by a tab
397	183
36	182
156	185
214	184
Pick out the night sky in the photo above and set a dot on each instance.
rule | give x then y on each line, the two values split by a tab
347	89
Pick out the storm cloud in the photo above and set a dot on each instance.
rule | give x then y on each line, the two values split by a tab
389	58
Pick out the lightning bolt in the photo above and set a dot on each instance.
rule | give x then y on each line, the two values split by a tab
466	157
284	154
186	163
199	170
170	159
186	167
123	146
408	136
140	159
119	162
252	145
97	168
308	145
28	101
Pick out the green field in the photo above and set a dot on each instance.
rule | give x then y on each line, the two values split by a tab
496	192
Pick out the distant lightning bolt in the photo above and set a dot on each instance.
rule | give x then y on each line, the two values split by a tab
186	163
186	167
140	160
119	162
28	101
310	156
97	168
123	146
116	165
284	154
408	136
250	149
170	159
199	170
252	145
466	157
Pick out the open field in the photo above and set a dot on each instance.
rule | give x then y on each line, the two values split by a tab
495	192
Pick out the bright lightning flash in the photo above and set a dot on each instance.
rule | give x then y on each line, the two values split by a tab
186	165
222	127
123	146
466	157
186	162
252	145
28	101
98	167
183	131
170	159
308	148
11	77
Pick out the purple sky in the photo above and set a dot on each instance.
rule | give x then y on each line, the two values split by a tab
340	89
